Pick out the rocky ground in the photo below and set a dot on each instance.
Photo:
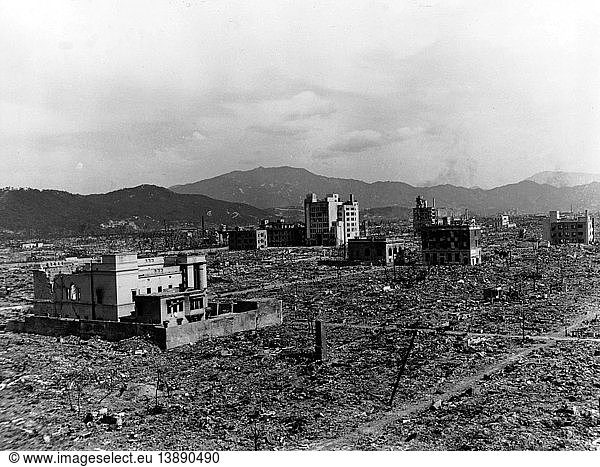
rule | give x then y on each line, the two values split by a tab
471	380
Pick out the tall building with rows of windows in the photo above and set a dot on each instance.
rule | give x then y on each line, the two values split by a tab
423	215
330	221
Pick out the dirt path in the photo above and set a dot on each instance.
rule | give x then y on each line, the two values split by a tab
374	427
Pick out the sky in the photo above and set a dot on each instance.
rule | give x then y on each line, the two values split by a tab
99	95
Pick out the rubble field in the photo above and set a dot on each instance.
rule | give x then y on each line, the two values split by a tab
257	390
548	400
264	389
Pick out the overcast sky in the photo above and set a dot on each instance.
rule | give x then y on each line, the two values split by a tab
99	95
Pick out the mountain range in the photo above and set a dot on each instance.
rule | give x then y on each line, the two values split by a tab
147	206
245	197
287	186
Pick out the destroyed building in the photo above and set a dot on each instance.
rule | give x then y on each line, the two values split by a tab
451	242
571	228
501	222
376	250
120	296
283	234
249	238
330	221
106	289
423	215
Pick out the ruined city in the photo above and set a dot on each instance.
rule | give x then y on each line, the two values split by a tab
441	330
324	228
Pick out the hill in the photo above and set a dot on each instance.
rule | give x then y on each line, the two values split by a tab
287	186
146	206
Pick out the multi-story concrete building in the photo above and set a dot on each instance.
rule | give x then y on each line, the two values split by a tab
451	242
377	250
330	221
106	289
423	215
348	218
501	222
282	234
570	229
247	239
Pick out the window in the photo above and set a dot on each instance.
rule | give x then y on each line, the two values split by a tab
74	293
133	294
149	290
159	288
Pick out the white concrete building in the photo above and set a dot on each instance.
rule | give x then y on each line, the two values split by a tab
106	289
330	221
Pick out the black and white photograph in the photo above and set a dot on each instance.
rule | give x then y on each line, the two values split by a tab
367	226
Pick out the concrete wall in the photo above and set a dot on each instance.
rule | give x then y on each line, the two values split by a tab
107	330
269	313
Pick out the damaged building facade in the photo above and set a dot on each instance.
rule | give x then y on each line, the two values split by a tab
423	215
451	242
106	289
283	234
560	228
376	250
119	296
249	238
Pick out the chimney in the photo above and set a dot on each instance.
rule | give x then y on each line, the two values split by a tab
351	198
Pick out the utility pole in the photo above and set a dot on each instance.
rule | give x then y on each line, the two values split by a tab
402	367
92	290
320	341
522	324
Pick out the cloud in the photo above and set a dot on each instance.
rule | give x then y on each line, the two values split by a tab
308	104
198	136
406	132
323	155
278	130
263	111
357	141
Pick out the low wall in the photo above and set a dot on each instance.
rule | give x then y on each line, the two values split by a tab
269	313
107	330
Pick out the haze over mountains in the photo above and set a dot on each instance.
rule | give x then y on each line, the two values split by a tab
147	205
269	187
562	179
